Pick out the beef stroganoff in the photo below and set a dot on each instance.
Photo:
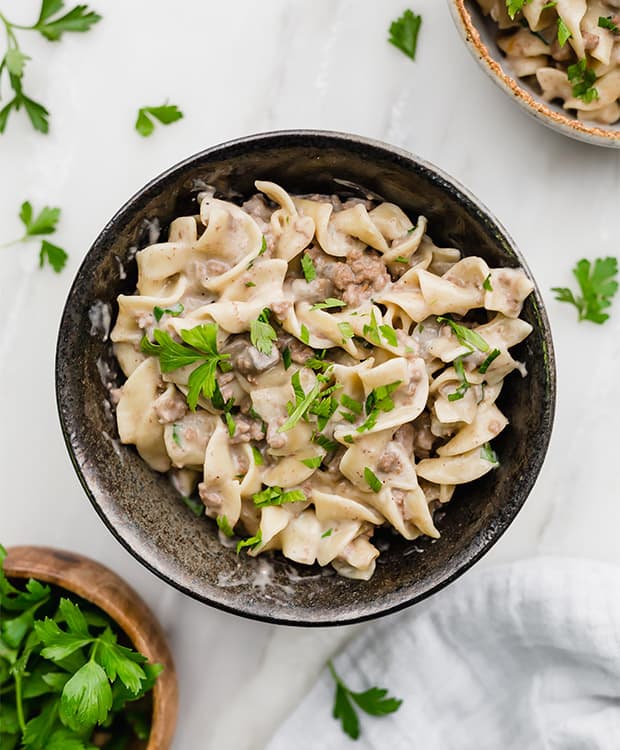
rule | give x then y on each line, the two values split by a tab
315	369
569	49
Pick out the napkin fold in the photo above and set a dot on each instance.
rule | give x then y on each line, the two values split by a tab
524	656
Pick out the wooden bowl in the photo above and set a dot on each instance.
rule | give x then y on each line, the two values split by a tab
106	590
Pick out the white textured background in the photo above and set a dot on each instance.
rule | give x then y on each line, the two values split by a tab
238	67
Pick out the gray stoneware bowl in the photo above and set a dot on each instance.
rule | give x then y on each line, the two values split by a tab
140	507
479	33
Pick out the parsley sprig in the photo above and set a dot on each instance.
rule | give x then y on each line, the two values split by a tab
200	346
277	496
262	333
165	114
582	80
466	336
51	26
374	701
43	223
597	285
63	672
404	33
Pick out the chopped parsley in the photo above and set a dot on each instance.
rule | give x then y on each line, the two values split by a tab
371	330
312	463
252	541
277	496
329	303
324	442
304	334
224	526
286	358
486	284
326	533
174	311
351	404
258	456
262	334
263	246
465	385
564	33
389	334
488	454
195	505
200	346
372	479
307	266
608	23
404	33
514	6
487	362
230	423
597	285
175	435
465	336
250	284
582	80
401	259
303	402
346	330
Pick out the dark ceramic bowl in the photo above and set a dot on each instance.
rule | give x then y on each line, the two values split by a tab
139	505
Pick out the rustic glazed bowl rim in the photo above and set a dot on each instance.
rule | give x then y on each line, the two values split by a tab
462	196
553	118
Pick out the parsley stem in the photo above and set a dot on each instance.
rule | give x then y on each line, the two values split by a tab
18	702
330	666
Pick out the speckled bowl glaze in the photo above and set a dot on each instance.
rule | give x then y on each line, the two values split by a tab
139	505
479	33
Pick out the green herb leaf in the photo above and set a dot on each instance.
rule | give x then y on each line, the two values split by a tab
487	362
351	404
486	284
277	496
252	541
53	255
79	19
328	304
564	33
196	506
120	662
304	334
58	644
224	526
371	331
165	114
86	698
263	246
389	334
230	423
489	454
258	456
404	33
15	61
327	533
307	266
286	358
401	259
324	442
301	408
372	479
597	286
608	23
312	463
173	311
582	80
372	701
465	335
514	6
346	330
262	333
43	223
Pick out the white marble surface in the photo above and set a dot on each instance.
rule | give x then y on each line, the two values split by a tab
237	67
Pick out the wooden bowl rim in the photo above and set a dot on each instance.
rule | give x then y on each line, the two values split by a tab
73	572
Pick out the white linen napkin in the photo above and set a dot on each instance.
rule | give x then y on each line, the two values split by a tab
524	656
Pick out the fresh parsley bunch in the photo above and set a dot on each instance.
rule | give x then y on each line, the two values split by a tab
51	25
598	286
65	681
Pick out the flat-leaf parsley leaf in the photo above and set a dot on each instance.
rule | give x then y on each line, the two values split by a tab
404	33
165	114
597	286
